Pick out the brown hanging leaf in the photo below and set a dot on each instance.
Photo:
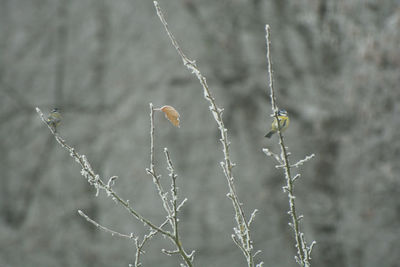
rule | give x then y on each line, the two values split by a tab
171	114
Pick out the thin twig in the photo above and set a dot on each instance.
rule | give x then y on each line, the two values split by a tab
95	180
302	161
139	245
243	233
302	250
252	217
152	171
272	154
105	229
172	212
174	191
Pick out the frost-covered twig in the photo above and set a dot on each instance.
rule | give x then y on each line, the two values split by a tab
242	233
252	217
302	161
105	229
171	209
272	154
174	192
139	245
175	210
156	178
95	180
303	257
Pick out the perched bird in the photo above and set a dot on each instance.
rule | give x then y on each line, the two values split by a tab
54	119
283	119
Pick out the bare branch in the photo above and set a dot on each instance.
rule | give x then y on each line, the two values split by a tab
272	154
111	181
302	251
152	172
301	162
105	229
180	205
243	235
172	212
252	217
297	176
174	192
95	180
169	253
139	245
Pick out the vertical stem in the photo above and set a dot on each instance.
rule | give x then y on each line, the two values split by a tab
172	214
174	191
242	234
284	157
152	171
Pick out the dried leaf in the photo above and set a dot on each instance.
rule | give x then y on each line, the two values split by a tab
171	114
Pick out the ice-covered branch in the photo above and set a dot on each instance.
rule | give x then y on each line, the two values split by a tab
105	229
95	180
175	208
170	206
301	162
303	251
139	245
242	239
252	216
174	192
272	154
156	178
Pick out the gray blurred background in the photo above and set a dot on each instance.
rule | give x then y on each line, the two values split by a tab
337	72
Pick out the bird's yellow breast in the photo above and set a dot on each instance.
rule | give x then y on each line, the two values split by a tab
283	123
54	118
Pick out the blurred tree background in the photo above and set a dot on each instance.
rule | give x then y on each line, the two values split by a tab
337	72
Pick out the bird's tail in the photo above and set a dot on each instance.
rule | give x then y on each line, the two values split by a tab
268	135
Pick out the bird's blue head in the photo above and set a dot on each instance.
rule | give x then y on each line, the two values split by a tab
282	112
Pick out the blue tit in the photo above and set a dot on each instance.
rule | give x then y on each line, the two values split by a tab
283	119
54	118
